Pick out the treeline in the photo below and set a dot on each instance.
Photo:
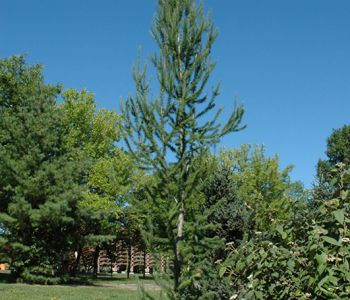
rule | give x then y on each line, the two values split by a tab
233	222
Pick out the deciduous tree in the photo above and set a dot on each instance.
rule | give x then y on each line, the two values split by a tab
113	173
261	183
338	151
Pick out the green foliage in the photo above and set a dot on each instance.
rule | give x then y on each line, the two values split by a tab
110	179
40	181
169	138
262	185
93	132
113	174
231	221
305	258
40	275
246	192
338	151
227	207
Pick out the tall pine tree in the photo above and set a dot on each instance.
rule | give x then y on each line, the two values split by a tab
168	133
40	182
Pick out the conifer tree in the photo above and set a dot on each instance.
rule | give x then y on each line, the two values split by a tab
170	135
232	218
40	183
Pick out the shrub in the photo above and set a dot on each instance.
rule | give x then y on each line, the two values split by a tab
305	258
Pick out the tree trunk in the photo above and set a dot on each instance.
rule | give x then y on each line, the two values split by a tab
76	263
111	268
97	254
179	257
180	224
144	265
129	260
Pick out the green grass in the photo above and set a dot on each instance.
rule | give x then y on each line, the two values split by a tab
23	291
114	280
87	279
80	287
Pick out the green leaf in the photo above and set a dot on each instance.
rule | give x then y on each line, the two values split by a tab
321	258
347	276
284	292
290	264
222	271
250	294
333	181
284	235
323	281
259	295
321	267
250	257
314	246
339	215
333	280
280	229
330	240
311	281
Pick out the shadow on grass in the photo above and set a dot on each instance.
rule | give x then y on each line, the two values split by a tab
87	279
115	279
6	277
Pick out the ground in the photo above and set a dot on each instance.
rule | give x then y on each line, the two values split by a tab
82	287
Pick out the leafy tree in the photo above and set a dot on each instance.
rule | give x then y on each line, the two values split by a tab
113	173
40	182
338	151
261	183
110	180
167	133
245	193
94	132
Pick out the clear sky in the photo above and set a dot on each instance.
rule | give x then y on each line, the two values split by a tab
288	61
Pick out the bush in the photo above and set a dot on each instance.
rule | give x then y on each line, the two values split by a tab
305	258
40	275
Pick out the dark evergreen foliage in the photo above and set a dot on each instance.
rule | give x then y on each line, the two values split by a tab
40	183
231	220
321	192
231	214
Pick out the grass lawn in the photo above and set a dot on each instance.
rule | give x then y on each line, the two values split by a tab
24	291
87	279
80	287
116	279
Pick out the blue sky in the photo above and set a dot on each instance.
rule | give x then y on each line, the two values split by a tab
288	61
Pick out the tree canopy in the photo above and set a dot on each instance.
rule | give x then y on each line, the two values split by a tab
338	151
40	187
